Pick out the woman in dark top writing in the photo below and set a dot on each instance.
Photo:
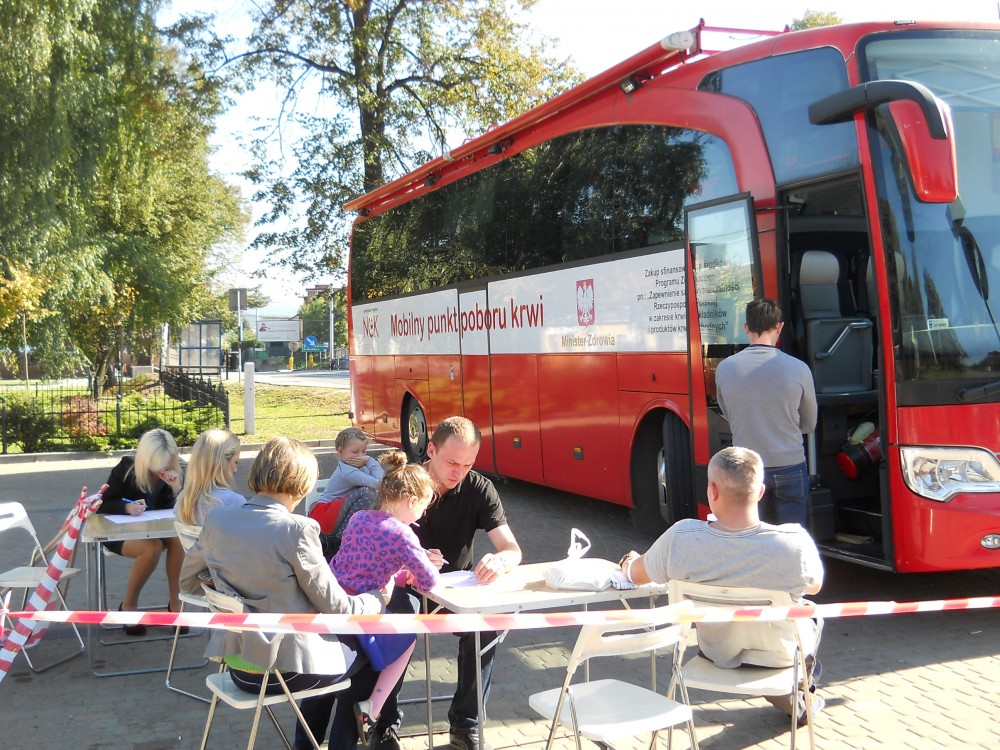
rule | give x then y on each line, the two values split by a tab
148	480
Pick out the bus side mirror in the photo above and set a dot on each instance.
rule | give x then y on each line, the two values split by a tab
924	131
931	161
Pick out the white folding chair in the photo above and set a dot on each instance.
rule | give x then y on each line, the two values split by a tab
13	516
703	674
312	497
223	688
187	534
604	710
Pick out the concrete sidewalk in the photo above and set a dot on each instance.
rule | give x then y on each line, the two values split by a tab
920	681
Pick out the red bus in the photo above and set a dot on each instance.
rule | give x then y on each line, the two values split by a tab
570	280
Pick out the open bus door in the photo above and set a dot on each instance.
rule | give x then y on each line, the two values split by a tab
723	276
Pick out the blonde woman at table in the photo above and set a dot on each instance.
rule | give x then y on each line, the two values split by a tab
271	558
149	479
378	545
209	477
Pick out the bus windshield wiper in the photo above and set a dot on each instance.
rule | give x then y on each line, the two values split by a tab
979	392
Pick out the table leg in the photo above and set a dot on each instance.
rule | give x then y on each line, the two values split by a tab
480	703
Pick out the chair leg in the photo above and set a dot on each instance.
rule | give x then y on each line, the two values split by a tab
298	715
57	662
208	722
277	726
170	667
256	714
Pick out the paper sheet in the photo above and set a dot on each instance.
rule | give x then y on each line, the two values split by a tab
457	579
149	515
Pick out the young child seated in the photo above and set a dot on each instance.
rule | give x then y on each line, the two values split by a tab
391	459
357	475
379	545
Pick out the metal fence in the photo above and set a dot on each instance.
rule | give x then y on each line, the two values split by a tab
185	386
65	415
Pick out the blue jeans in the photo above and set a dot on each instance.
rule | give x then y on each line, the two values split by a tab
786	495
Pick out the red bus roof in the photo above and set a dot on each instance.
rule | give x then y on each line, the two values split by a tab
669	51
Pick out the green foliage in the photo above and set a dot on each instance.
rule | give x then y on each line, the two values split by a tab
395	75
315	316
28	423
38	422
814	19
106	188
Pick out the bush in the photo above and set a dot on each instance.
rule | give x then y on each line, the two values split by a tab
28	424
81	418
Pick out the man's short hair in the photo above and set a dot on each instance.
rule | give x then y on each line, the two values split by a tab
763	315
739	472
457	427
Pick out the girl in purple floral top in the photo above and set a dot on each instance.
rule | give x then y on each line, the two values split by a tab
377	546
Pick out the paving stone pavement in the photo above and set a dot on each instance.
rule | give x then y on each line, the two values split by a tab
906	681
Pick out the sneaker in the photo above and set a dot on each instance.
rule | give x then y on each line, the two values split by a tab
466	741
816	704
366	724
387	740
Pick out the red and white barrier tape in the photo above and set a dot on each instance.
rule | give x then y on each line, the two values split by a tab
452	623
24	635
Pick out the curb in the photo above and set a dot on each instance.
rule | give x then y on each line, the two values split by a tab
29	458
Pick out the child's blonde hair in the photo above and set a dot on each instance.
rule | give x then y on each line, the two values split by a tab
346	436
402	480
209	468
156	452
284	466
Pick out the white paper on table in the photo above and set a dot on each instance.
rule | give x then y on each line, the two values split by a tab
149	515
457	579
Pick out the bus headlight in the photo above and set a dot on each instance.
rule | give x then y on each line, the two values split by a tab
941	473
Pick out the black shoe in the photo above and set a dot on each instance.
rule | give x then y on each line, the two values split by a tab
132	629
386	739
466	741
366	727
184	629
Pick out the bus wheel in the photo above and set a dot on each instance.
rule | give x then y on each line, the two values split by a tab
661	474
415	431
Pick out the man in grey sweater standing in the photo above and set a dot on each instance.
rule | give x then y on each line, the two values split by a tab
770	401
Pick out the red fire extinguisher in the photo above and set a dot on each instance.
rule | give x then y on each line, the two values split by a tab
856	457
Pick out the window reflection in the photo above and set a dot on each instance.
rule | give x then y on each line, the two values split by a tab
581	196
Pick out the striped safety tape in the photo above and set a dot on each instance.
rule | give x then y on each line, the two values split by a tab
452	623
25	633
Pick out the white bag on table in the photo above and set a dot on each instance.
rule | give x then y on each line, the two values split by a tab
576	574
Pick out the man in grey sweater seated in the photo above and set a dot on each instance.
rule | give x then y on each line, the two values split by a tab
770	401
738	549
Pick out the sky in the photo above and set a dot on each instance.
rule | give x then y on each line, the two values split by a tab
596	34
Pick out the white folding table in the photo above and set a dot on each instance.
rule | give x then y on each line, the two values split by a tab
521	590
101	528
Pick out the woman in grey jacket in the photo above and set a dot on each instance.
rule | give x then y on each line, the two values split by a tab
271	558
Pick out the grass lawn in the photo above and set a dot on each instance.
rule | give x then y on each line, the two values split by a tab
303	413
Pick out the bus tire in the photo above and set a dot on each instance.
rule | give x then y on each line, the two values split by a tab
661	474
414	431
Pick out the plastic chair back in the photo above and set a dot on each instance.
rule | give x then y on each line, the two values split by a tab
187	534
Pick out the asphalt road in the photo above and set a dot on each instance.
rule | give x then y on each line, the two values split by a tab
902	681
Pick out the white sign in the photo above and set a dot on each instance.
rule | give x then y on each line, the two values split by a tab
279	330
635	304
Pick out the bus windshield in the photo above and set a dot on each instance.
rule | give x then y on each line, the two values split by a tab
943	260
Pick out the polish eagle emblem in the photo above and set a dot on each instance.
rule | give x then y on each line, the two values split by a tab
585	312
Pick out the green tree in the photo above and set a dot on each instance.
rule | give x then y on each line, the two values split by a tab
397	78
108	186
814	19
